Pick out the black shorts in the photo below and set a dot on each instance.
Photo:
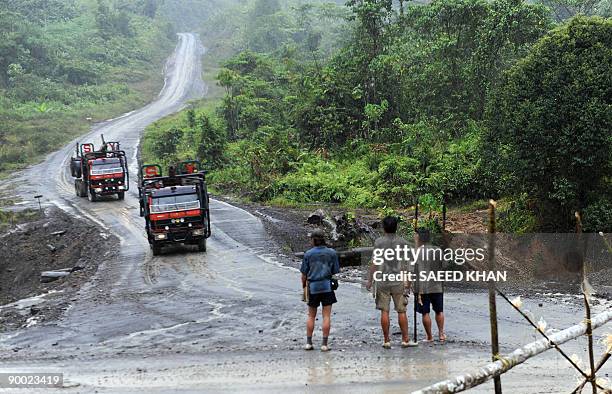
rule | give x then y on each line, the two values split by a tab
435	299
325	299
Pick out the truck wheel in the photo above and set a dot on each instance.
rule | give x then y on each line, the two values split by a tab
121	195
91	195
156	249
202	245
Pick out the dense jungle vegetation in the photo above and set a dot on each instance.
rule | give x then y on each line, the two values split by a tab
380	104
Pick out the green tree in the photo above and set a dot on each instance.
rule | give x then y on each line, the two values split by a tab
211	144
165	146
455	51
371	35
112	21
551	119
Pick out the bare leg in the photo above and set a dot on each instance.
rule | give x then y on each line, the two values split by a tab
403	323
384	324
427	326
310	321
326	320
440	323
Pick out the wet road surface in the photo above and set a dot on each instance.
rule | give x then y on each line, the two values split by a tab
231	318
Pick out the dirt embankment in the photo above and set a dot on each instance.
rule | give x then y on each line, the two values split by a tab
290	226
533	262
56	242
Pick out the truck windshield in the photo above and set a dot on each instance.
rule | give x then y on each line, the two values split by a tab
101	167
175	203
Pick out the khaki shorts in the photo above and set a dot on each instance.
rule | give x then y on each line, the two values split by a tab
384	295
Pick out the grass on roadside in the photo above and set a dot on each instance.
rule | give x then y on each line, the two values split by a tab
10	218
31	135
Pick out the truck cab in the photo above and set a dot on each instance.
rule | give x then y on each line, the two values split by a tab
107	176
100	172
175	207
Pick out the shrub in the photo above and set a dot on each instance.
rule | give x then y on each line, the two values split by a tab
598	216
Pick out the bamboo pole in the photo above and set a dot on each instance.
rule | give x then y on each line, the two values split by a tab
600	364
519	356
553	344
492	302
589	335
534	325
587	307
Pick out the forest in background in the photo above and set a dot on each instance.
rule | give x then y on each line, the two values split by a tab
369	103
67	63
383	104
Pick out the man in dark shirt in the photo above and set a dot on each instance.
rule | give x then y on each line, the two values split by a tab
319	264
430	293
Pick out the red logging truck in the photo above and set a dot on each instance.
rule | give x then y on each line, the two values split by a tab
100	172
175	207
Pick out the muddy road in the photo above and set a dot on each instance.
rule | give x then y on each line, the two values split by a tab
231	318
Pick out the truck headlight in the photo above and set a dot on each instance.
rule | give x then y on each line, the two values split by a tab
121	188
198	231
98	190
160	236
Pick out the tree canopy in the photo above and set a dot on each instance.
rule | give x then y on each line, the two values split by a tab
551	119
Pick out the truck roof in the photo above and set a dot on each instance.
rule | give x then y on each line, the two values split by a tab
174	190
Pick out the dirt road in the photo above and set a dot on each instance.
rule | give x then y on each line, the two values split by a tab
231	318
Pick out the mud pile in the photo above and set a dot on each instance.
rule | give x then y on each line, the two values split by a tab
291	227
55	242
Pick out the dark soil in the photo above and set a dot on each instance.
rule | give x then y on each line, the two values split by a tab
55	242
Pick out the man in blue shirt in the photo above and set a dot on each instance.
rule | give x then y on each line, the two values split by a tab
319	264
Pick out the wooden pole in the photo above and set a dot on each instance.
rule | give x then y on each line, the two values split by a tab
416	271
492	303
444	214
509	361
587	307
416	214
